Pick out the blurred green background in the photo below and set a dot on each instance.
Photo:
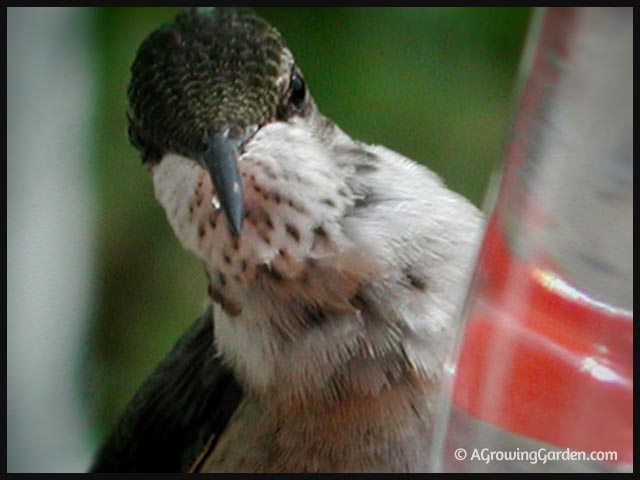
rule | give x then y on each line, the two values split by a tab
435	84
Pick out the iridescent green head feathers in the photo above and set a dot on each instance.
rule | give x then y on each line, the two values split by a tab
206	71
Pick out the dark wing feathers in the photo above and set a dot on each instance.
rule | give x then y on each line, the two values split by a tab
189	397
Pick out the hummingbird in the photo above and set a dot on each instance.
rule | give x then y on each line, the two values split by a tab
335	268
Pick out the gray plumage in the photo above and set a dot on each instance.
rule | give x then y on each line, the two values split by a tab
334	299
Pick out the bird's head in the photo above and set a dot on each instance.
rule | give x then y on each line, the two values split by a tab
243	163
202	87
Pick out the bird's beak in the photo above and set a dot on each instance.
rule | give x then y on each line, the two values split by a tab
221	160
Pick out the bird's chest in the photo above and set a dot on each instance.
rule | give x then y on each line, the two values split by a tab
348	439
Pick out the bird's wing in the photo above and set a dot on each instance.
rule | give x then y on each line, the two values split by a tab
181	408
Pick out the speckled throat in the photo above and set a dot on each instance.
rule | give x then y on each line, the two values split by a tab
296	198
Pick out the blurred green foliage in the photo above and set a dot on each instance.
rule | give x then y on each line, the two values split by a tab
435	84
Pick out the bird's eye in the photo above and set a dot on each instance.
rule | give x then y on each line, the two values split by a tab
298	89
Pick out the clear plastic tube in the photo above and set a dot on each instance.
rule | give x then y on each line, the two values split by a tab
544	366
